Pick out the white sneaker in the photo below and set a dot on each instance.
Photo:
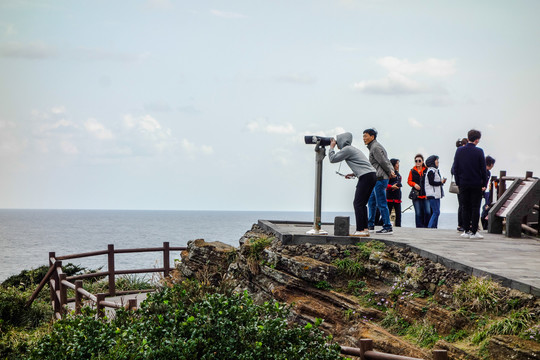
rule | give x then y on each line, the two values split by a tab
466	235
361	233
477	236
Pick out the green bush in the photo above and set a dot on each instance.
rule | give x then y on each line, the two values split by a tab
15	313
172	325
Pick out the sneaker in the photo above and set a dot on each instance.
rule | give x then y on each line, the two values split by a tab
466	235
460	229
385	231
477	236
371	229
361	233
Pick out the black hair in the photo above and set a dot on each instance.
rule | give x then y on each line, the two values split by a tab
490	161
394	161
461	142
474	135
371	132
420	156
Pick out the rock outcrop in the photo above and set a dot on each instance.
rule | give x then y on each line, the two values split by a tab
355	289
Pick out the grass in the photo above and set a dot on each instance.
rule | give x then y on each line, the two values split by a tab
350	267
479	294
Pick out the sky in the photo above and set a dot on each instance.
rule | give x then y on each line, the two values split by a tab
203	105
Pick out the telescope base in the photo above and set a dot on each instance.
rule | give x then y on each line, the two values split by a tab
317	232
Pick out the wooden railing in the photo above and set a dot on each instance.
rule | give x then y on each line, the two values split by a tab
366	352
59	282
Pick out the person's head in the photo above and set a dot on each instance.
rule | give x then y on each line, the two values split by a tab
432	161
461	142
343	140
395	164
490	162
419	160
474	135
369	136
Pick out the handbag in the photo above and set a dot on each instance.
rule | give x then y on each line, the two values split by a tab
413	195
454	189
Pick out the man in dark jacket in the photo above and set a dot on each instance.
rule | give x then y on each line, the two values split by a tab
471	177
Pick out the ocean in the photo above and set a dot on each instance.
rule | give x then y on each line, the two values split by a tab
27	236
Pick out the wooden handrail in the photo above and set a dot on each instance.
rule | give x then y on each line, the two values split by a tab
366	352
59	282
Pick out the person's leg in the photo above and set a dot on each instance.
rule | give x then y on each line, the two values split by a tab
418	213
397	210
372	206
380	196
466	204
364	189
435	205
459	213
476	202
427	212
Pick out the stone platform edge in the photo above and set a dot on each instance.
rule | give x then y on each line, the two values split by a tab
295	239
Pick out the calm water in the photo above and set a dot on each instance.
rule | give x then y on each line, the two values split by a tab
27	236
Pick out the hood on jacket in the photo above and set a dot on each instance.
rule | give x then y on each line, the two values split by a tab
343	140
430	161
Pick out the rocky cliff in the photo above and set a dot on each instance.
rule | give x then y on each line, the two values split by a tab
406	304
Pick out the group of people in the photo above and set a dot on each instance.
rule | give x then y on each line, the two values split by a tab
378	190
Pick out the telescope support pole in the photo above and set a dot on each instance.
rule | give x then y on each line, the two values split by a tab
319	157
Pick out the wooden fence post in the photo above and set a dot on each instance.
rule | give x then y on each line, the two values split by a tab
112	283
440	355
100	308
528	174
52	255
502	183
63	292
78	296
365	345
132	304
166	259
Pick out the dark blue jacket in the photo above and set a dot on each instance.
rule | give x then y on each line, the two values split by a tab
470	166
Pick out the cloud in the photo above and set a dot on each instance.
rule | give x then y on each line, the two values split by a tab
58	110
393	84
262	125
430	67
32	51
97	129
400	81
415	123
191	148
227	14
8	29
69	148
303	79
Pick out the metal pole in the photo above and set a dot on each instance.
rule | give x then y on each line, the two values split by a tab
320	155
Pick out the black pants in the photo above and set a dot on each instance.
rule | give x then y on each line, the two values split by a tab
397	209
364	187
459	212
471	199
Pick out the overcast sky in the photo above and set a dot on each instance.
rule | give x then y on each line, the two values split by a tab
204	104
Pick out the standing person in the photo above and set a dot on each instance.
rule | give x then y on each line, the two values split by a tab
471	178
490	162
434	189
385	170
459	143
363	170
393	193
417	180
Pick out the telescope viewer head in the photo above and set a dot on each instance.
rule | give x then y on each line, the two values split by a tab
313	139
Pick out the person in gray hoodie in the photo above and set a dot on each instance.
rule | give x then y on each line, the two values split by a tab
379	159
363	170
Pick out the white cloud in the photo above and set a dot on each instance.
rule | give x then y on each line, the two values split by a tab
56	125
415	123
431	67
58	110
27	50
191	148
393	84
227	14
98	130
69	148
262	125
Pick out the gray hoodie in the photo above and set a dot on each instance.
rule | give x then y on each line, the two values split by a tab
355	158
379	160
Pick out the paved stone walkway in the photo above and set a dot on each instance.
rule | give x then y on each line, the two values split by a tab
515	263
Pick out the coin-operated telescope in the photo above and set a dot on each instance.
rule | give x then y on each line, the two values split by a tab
320	152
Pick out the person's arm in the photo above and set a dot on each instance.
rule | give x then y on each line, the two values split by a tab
411	182
431	179
381	158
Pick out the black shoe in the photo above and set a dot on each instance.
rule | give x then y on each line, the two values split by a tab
371	228
385	231
460	229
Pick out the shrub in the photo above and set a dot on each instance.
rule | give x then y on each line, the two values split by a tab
15	313
172	325
478	294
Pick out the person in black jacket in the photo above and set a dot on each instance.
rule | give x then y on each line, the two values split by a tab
471	178
393	193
